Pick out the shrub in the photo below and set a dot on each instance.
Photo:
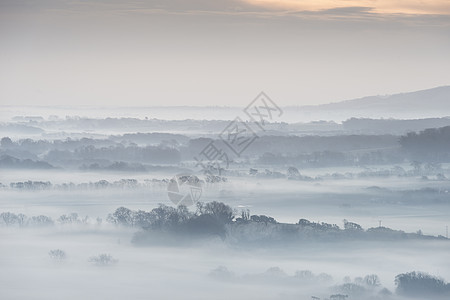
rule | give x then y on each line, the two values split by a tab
57	255
103	260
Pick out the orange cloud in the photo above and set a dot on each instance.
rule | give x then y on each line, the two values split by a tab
378	6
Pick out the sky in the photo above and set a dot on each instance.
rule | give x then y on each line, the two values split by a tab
219	53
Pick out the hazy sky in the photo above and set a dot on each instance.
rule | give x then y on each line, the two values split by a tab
204	52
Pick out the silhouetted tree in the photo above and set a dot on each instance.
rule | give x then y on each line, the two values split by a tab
372	280
352	226
57	254
219	210
418	284
6	142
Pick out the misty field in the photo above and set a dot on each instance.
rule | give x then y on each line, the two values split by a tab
212	266
184	209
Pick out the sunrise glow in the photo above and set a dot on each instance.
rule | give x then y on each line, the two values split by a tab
379	6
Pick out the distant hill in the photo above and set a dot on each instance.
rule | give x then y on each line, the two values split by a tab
392	126
113	120
9	162
430	103
435	99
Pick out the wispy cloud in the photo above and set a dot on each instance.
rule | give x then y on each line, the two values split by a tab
378	6
346	7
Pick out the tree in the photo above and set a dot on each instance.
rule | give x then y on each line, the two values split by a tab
430	145
165	217
419	284
293	173
9	219
372	280
6	142
103	260
122	216
205	225
304	275
69	219
40	221
245	216
304	222
184	213
219	210
200	208
142	219
352	226
57	254
324	278
263	219
253	171
352	289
